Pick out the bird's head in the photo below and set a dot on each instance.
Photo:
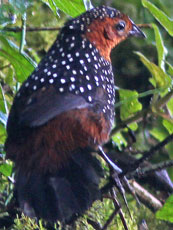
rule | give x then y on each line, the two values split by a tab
106	27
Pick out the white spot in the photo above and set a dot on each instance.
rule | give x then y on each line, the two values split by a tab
63	62
51	81
69	55
53	51
34	87
72	86
72	79
89	60
71	59
55	75
89	87
46	64
67	39
63	54
87	77
81	61
89	98
71	27
87	55
61	49
77	54
96	66
26	84
42	79
49	73
73	38
63	80
61	89
74	72
72	45
54	66
81	71
67	67
85	68
56	61
96	78
45	70
90	46
81	89
36	78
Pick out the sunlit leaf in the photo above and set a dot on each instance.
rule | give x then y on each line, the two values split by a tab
161	50
119	140
70	7
170	106
170	68
168	125
164	20
22	64
6	169
166	213
160	78
131	106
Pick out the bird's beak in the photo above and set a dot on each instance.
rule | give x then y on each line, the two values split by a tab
136	32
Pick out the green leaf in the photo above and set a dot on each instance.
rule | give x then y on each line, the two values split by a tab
3	133
170	68
119	140
6	169
131	106
168	125
22	64
159	132
161	50
160	78
70	7
166	212
164	20
170	106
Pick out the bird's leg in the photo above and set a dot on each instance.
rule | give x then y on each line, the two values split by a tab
115	176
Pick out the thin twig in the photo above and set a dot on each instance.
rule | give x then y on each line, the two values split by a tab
22	42
157	147
145	26
148	154
94	224
31	29
108	222
117	205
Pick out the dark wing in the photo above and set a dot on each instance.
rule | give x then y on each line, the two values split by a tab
42	106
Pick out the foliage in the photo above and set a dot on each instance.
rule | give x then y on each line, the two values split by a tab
152	98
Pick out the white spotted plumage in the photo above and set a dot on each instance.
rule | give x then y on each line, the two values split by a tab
74	65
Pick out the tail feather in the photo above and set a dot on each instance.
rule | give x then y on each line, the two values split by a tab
63	195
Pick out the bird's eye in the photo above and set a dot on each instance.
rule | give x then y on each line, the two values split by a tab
120	26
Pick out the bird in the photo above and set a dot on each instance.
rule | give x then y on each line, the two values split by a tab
62	113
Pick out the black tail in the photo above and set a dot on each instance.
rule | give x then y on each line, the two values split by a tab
61	196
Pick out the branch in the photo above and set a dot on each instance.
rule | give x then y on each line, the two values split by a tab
141	172
157	147
145	197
